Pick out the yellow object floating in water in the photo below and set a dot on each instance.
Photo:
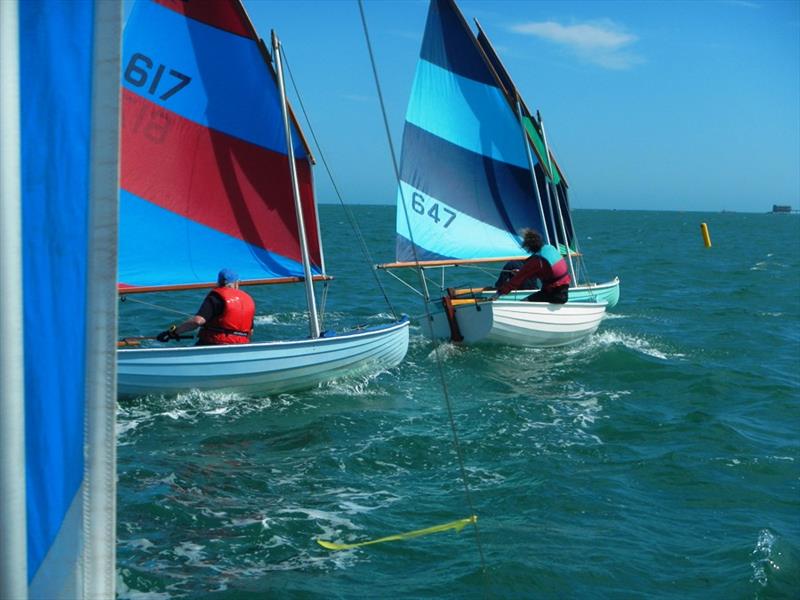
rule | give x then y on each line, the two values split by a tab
706	236
454	525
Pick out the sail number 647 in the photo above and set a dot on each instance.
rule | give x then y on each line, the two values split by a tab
418	204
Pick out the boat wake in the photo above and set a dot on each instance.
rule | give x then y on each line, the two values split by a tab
638	344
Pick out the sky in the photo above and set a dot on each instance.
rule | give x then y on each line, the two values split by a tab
648	105
678	105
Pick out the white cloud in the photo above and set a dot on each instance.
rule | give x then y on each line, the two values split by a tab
602	43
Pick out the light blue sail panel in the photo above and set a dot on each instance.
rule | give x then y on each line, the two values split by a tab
464	236
190	246
210	76
463	153
467	113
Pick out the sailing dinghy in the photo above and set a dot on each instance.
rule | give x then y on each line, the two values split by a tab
206	181
467	188
552	196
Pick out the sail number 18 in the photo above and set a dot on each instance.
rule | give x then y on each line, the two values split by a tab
418	204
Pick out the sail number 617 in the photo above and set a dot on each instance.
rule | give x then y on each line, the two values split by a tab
418	204
139	72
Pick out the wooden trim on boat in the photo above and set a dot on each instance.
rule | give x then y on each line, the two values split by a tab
448	262
123	291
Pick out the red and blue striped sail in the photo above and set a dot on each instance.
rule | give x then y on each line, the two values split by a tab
465	183
205	179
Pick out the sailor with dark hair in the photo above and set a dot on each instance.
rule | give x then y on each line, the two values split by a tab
545	264
225	317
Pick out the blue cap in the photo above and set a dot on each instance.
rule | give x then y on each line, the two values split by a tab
227	276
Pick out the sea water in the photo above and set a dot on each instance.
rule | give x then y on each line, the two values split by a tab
660	458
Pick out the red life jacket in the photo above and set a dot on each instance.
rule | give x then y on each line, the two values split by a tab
235	324
559	275
559	270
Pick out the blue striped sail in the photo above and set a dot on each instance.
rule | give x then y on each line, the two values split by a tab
465	183
551	184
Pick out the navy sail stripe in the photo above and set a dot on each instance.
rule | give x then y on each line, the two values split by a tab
449	43
463	179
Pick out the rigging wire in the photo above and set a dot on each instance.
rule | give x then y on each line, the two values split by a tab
348	213
164	308
437	346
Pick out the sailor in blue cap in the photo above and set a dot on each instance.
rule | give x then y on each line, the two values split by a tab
225	316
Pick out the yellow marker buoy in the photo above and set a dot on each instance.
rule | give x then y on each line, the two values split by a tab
454	525
706	237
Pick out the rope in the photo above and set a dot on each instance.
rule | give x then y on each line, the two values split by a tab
437	346
348	213
164	308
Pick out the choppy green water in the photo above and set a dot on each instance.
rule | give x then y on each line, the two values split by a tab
658	459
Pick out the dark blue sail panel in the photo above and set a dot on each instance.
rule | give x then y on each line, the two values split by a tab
449	43
497	64
563	199
473	115
490	191
465	175
550	216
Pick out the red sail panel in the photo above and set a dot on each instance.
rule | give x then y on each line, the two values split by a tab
222	14
220	181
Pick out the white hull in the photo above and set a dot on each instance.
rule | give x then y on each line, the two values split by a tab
263	368
514	323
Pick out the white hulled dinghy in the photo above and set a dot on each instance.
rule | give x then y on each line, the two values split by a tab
207	181
468	187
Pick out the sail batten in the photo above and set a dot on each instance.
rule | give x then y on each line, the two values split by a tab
205	169
465	176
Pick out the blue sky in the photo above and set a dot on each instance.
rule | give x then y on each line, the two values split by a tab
648	105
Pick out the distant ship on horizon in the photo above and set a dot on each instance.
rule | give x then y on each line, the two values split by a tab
782	208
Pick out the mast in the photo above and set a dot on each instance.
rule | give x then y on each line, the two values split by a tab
557	203
13	536
532	169
298	207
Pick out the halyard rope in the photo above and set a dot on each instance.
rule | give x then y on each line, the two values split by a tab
439	361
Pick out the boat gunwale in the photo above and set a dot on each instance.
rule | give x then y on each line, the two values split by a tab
372	331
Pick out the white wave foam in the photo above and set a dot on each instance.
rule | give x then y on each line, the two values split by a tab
763	557
321	516
632	342
140	544
264	320
611	316
124	592
354	386
445	351
192	552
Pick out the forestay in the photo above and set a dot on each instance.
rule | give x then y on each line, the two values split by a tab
205	177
